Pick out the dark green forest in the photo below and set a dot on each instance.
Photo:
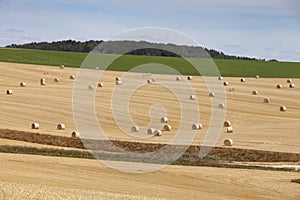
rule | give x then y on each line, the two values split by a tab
125	47
65	45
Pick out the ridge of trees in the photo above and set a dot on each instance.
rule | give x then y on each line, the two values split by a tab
121	47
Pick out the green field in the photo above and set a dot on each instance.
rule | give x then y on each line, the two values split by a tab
232	68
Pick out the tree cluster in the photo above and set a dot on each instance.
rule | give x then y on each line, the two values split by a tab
65	45
131	48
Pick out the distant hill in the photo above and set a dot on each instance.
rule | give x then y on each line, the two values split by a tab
115	47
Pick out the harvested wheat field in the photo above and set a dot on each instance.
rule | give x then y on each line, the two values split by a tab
256	125
47	107
40	177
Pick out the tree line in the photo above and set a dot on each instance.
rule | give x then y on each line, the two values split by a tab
131	48
65	45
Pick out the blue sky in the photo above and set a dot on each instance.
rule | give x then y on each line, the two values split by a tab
262	29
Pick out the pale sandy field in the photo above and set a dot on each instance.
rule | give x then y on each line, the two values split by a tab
40	177
256	126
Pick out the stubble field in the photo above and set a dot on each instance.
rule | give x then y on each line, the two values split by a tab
256	125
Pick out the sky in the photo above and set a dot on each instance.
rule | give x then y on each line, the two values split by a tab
263	29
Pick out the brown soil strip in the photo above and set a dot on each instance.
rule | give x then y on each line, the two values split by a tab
217	153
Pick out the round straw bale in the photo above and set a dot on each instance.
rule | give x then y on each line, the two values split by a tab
167	127
157	133
227	123
164	119
243	80
228	142
289	81
150	131
292	85
189	78
62	67
200	126
43	81
282	108
225	83
149	81
220	78
56	80
267	100
75	134
90	87
117	78
72	77
254	92
211	94
193	97
178	78
229	130
22	84
197	126
100	84
279	86
9	92
257	76
119	82
135	129
61	126
221	105
35	126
